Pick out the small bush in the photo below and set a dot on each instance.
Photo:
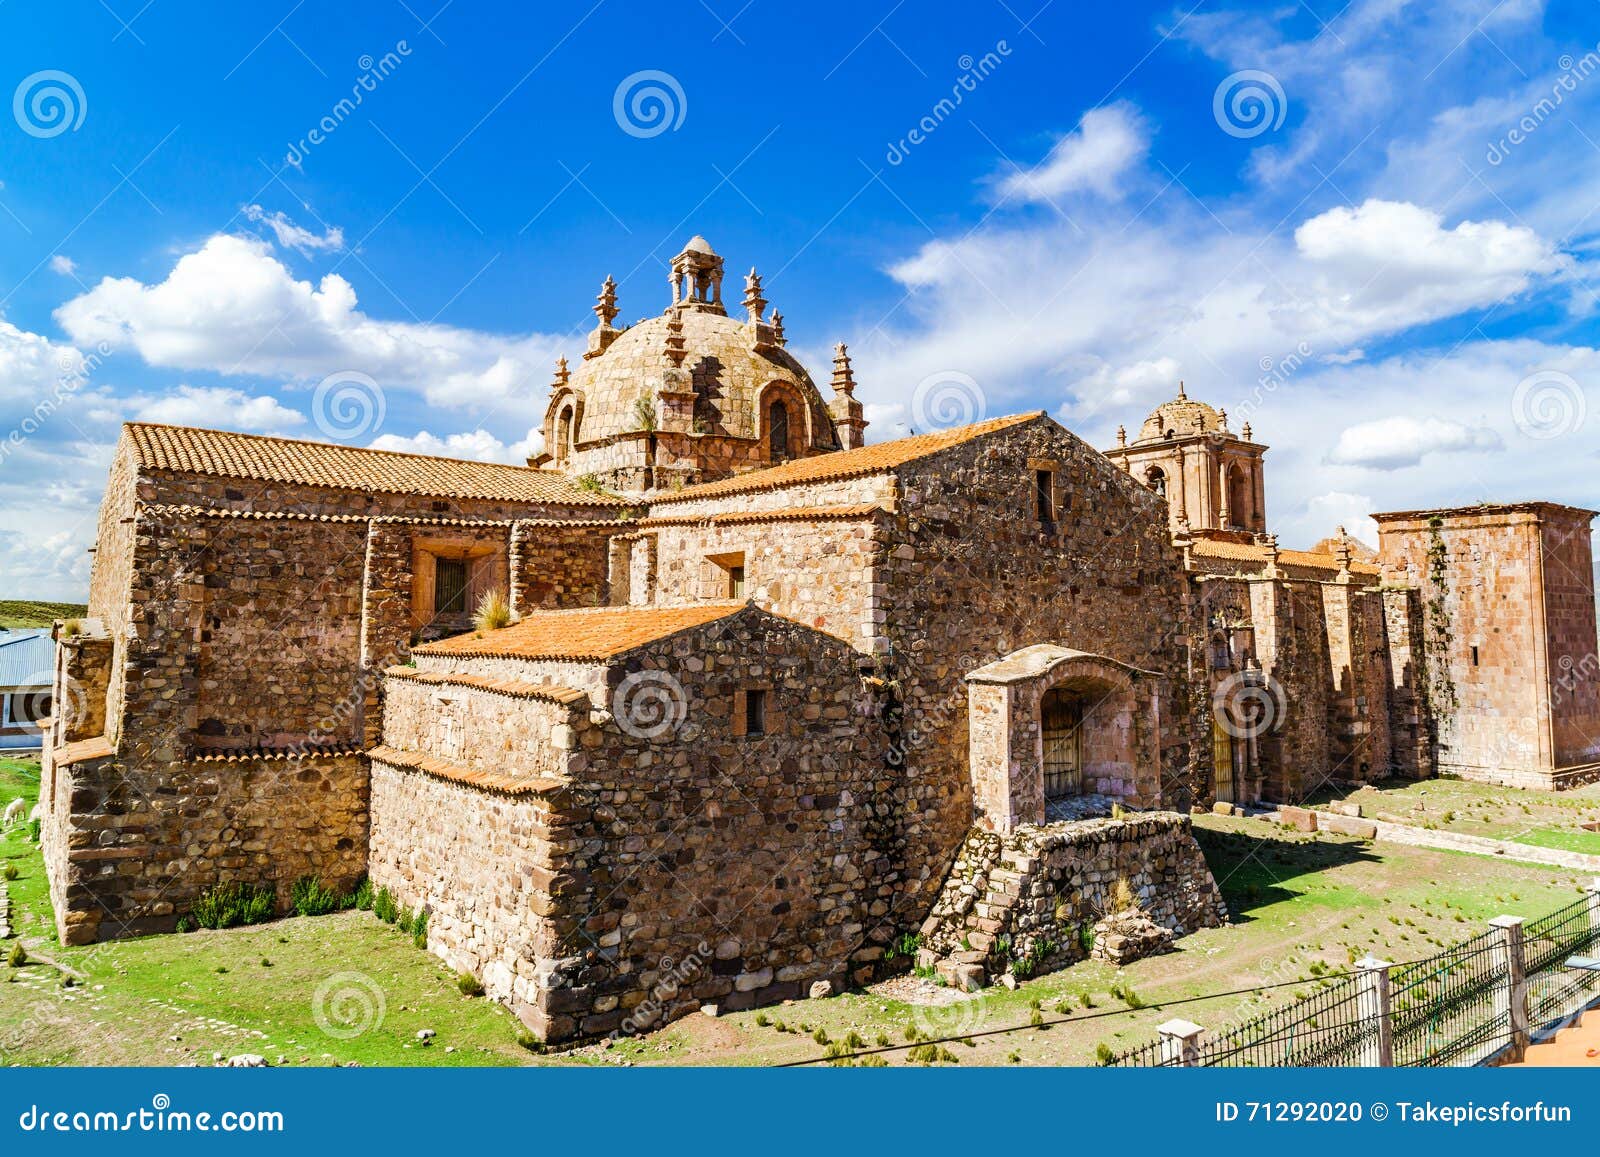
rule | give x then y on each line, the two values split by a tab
18	955
820	1036
232	904
855	1040
185	924
872	1063
763	1020
385	907
1103	1054
530	1042
361	898
469	985
311	897
419	929
493	611
10	872
33	830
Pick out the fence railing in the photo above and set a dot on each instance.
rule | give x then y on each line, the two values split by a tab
1478	1001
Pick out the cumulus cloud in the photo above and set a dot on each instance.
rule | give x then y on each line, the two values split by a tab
293	236
232	307
1092	158
474	445
1395	443
1339	508
1394	263
216	406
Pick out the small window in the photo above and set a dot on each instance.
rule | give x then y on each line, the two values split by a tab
736	582
778	431
450	586
755	712
1044	496
1474	656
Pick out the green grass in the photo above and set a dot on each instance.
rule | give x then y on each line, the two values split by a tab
23	613
1303	906
1477	809
1562	840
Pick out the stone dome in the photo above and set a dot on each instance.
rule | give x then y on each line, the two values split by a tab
1180	418
728	370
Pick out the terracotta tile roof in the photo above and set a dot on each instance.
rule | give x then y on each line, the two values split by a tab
223	454
841	464
256	754
457	773
1252	552
788	514
515	689
589	635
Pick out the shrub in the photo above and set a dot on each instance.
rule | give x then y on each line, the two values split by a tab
385	907
360	898
906	945
10	872
419	928
855	1040
231	904
469	985
530	1042
1103	1054
873	1063
18	955
311	897
763	1020
820	1036
493	611
402	920
33	830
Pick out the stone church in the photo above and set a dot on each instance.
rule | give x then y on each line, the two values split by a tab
777	706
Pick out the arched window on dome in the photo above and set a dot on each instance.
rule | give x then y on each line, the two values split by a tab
1156	480
563	434
778	431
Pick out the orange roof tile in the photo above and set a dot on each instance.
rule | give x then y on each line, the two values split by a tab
512	688
224	454
1254	552
589	635
841	464
457	773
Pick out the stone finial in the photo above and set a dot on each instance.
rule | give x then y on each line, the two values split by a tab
1222	418
676	349
1246	431
606	303
1122	435
562	374
1271	541
844	381
1342	555
753	301
1182	397
777	328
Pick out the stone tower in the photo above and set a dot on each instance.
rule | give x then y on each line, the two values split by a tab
1211	477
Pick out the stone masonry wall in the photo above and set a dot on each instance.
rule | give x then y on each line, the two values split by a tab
1021	903
133	844
973	575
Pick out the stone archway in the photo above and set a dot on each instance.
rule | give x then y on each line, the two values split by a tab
1048	721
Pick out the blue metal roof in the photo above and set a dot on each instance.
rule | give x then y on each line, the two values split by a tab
27	658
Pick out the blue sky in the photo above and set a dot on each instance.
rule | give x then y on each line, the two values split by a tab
1365	227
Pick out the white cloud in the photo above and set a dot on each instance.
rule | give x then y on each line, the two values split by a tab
233	308
1392	263
296	237
1338	508
1092	158
64	265
1394	443
474	445
219	406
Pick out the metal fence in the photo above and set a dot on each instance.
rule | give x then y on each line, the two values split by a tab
1473	1002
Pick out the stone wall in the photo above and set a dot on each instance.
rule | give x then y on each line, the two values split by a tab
818	571
1021	902
132	844
971	574
760	863
557	566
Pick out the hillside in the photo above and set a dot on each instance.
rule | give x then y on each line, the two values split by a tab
21	613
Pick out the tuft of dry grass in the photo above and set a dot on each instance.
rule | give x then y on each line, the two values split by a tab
493	611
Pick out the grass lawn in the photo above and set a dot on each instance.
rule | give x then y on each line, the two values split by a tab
22	613
1542	818
1302	905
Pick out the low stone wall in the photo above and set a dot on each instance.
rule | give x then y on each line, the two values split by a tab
131	846
1018	903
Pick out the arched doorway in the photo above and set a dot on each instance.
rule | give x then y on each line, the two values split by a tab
1061	723
563	434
